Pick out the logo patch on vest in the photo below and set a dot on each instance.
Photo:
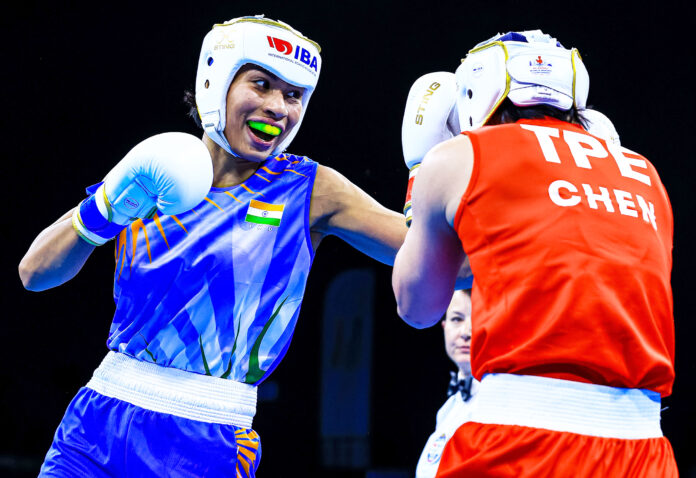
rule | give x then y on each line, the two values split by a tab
264	213
435	450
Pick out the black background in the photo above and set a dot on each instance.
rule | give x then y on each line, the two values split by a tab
84	82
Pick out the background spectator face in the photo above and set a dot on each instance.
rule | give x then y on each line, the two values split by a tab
457	328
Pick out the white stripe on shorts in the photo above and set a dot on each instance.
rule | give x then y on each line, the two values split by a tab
566	406
176	392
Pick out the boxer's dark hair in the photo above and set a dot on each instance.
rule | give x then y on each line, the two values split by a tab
507	112
190	101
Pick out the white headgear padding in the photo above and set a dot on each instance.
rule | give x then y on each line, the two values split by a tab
272	45
598	124
530	68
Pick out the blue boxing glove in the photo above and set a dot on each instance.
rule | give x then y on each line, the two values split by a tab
169	172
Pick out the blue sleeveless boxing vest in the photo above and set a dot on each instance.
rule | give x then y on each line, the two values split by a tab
217	290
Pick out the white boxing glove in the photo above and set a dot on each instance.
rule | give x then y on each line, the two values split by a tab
598	124
430	118
169	172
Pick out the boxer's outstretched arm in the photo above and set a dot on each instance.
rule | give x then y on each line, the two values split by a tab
168	172
56	256
432	257
342	209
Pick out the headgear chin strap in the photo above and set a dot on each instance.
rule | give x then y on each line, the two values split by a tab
530	68
273	45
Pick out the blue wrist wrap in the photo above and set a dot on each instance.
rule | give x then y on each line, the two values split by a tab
90	216
92	220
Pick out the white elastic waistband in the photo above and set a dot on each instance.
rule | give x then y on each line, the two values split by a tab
169	390
567	406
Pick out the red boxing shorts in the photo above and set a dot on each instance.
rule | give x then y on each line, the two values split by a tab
541	427
478	449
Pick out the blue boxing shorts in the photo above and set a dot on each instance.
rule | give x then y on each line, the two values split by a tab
137	419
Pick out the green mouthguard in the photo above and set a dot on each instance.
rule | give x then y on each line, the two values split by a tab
265	128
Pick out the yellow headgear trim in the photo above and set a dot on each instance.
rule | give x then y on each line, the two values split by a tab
273	23
507	75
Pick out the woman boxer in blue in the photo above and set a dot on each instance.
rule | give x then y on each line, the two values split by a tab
214	241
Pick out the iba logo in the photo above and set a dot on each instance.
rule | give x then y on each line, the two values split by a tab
286	48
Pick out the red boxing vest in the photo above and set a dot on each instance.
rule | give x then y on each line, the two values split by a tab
570	242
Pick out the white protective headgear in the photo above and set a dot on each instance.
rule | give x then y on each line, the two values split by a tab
530	68
273	45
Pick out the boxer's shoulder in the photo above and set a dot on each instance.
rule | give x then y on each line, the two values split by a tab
445	174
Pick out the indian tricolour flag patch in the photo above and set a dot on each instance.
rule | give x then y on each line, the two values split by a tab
263	213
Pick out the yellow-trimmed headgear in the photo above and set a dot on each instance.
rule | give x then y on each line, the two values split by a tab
273	45
530	68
